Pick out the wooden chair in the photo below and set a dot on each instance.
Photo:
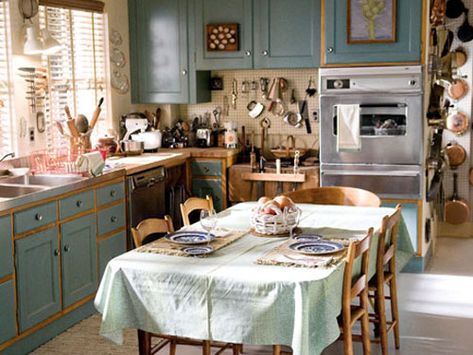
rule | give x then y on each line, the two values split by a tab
386	275
355	285
151	226
195	203
336	195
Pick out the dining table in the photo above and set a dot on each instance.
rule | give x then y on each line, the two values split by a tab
230	296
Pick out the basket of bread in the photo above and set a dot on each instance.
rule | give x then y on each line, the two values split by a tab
277	216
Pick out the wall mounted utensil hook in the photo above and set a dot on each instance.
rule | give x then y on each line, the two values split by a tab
234	93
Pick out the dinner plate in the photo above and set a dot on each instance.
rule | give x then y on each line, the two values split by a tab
198	250
307	237
316	248
190	237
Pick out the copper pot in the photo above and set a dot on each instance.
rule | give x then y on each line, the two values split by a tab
457	122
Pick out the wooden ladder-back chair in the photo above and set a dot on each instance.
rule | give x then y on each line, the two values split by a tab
195	203
386	275
151	226
336	195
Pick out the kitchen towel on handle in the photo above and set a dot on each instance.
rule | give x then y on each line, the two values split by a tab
348	123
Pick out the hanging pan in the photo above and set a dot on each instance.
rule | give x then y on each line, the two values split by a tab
457	210
457	122
456	154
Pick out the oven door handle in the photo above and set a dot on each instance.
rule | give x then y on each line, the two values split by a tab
371	173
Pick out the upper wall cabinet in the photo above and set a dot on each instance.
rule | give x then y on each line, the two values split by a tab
272	33
358	47
159	54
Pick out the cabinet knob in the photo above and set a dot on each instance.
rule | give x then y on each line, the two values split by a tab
56	252
38	217
184	72
206	169
265	53
330	49
247	53
79	203
113	193
113	219
412	82
67	248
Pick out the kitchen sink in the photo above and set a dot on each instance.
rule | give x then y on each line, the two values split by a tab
9	191
43	180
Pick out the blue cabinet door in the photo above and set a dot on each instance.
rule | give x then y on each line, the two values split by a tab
211	187
110	248
406	47
286	33
7	311
224	12
6	251
410	215
37	263
79	259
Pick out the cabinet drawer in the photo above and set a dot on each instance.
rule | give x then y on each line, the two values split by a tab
7	310
111	218
34	217
72	205
207	167
6	252
110	248
110	193
211	187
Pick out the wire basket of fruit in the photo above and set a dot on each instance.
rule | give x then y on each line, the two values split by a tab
276	216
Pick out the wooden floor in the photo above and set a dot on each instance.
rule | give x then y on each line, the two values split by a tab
436	310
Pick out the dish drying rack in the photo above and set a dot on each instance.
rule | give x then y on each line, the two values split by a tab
58	161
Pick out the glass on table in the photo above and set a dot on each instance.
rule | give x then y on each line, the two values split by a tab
291	216
208	220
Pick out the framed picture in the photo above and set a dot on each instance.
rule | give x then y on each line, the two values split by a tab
371	21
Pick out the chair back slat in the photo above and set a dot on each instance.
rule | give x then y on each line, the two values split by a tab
336	195
358	286
193	204
387	242
388	255
151	226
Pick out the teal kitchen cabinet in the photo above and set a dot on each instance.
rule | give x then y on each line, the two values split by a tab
224	12
109	248
410	215
7	311
37	265
6	248
286	33
78	259
405	49
272	33
161	70
211	187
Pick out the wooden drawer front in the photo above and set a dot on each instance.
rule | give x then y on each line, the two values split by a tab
7	310
72	205
110	193
110	248
207	168
111	218
34	217
6	251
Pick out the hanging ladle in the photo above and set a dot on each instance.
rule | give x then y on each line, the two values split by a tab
465	32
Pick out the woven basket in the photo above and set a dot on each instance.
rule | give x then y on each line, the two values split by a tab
274	224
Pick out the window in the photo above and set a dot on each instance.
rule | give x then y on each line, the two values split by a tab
77	74
6	132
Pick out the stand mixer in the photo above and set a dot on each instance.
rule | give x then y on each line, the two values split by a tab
133	125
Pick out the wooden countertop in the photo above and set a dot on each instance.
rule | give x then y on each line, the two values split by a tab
146	161
212	152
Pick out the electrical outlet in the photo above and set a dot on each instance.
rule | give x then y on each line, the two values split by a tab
31	134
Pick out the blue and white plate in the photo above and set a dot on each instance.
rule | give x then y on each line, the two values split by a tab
198	250
190	237
307	237
316	248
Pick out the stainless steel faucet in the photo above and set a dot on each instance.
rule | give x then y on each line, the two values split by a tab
12	154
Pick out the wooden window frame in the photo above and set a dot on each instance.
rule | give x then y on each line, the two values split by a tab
85	5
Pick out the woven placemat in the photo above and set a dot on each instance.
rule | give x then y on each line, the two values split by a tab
166	247
296	230
283	256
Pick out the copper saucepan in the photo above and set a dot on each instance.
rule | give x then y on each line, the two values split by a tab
456	154
457	122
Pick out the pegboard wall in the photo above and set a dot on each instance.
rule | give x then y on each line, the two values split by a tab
465	190
298	79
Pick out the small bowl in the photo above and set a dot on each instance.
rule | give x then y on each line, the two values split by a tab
18	171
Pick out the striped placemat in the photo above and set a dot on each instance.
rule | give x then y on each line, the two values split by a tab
282	255
166	247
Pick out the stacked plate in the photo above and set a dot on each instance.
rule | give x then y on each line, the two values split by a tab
193	241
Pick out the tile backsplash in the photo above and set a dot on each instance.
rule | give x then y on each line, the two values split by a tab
298	79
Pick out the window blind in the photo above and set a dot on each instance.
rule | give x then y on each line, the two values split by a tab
77	73
6	127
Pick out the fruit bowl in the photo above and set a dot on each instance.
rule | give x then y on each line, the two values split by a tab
269	219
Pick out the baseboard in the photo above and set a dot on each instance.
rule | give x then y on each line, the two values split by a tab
28	344
464	230
417	264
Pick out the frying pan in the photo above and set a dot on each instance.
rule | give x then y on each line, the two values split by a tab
457	122
457	210
457	89
456	154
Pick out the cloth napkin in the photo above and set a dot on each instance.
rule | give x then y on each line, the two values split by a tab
348	137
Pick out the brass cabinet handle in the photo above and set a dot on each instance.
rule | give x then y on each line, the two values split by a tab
67	248
247	53
38	217
79	203
113	219
265	53
113	193
330	49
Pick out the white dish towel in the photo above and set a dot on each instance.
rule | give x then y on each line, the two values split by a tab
348	123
